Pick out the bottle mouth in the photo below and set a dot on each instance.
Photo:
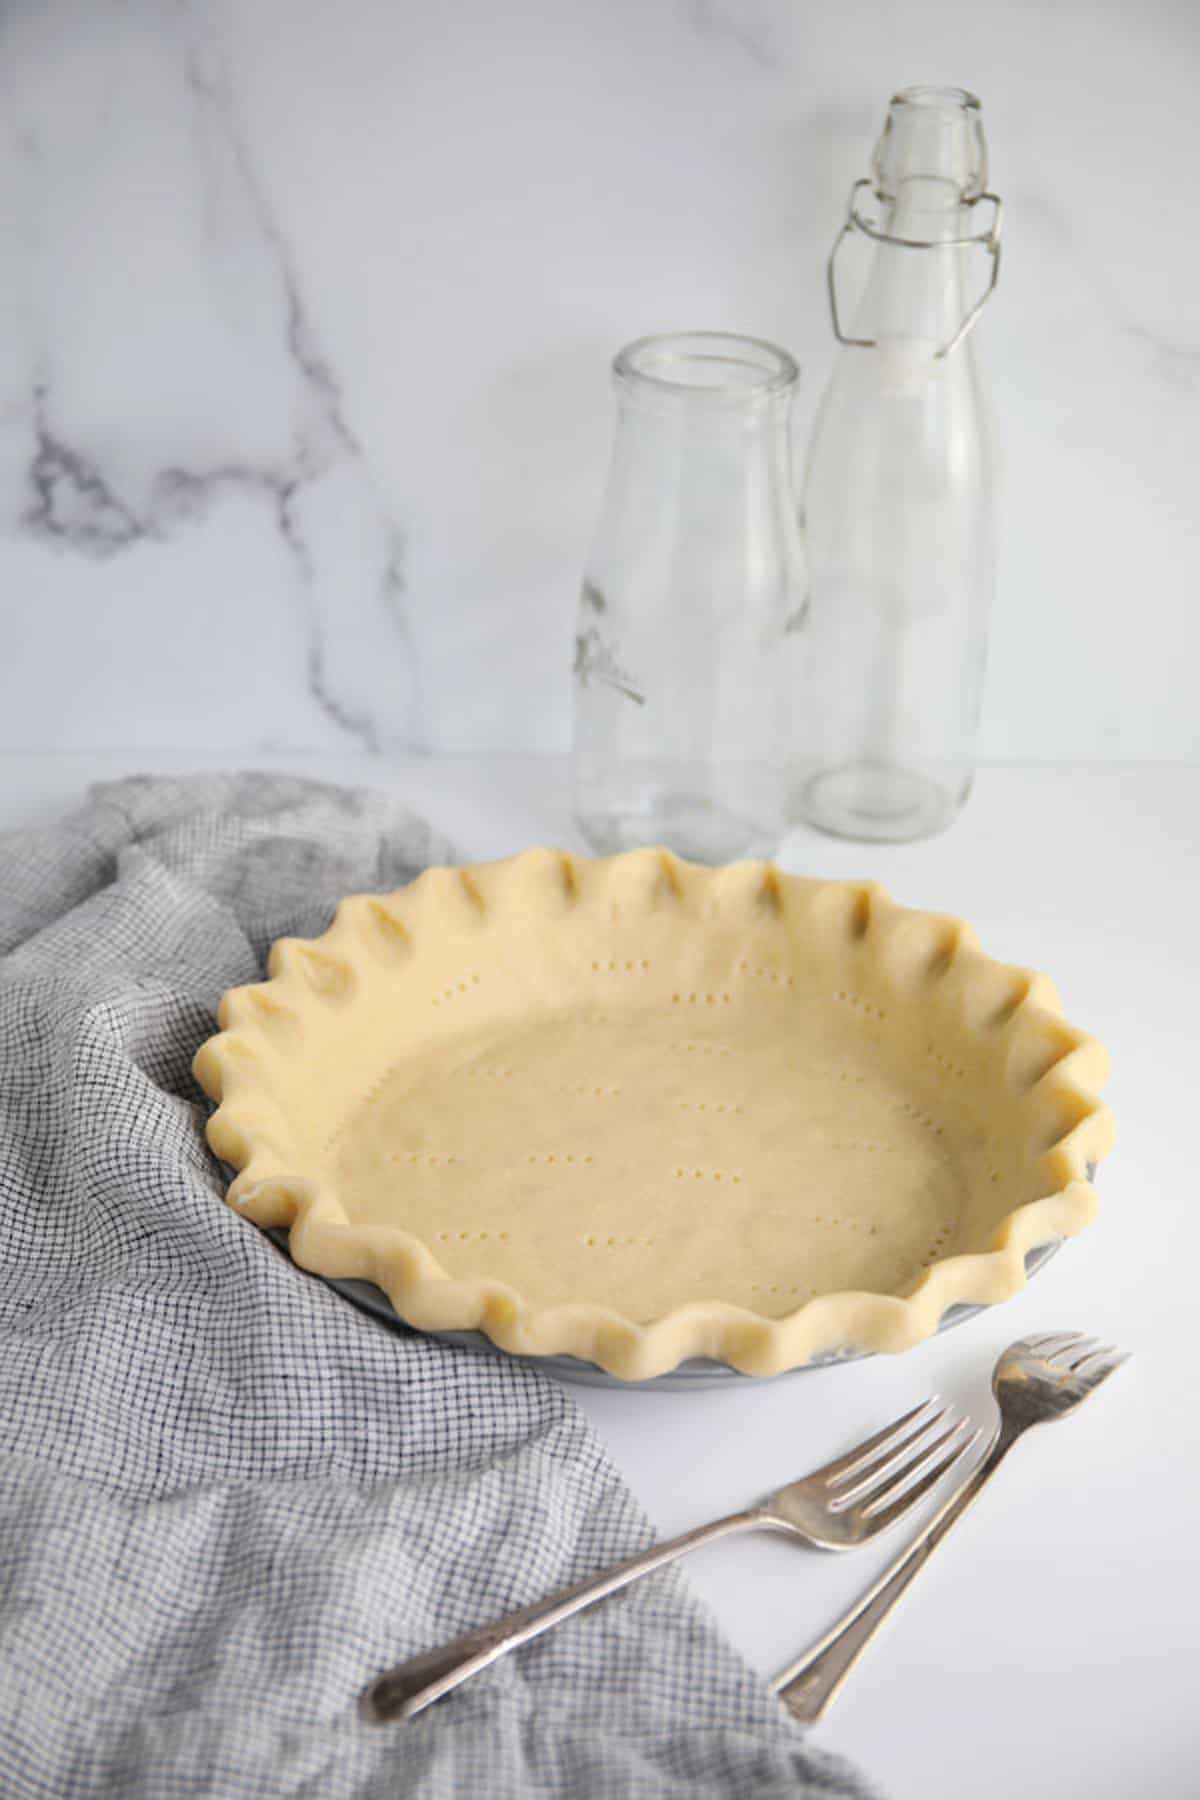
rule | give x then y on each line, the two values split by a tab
934	134
945	97
713	367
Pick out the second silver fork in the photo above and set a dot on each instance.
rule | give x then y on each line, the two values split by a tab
846	1503
1037	1379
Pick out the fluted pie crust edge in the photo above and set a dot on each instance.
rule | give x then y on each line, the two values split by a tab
310	1073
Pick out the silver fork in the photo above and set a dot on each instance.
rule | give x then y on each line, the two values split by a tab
845	1503
1035	1380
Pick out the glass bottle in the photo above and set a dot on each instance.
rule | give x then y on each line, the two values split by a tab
693	590
900	491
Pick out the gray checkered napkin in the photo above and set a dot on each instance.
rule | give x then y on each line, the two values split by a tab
228	1499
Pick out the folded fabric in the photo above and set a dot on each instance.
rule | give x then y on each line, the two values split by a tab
227	1499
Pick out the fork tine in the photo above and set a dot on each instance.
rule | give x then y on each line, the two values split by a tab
1100	1365
905	1468
1051	1342
906	1457
1078	1353
891	1437
849	1464
881	1514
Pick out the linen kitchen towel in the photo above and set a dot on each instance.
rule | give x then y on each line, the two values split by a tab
227	1498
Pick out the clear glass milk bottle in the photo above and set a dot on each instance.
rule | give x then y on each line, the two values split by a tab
686	658
899	495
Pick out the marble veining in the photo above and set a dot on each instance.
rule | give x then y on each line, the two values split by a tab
743	25
72	505
321	490
307	314
326	451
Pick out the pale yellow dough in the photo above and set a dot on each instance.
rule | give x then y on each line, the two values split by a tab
636	1110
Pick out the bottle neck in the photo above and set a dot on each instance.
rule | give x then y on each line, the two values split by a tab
927	209
916	297
710	390
927	170
672	426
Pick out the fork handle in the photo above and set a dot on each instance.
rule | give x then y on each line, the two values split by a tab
413	1685
808	1686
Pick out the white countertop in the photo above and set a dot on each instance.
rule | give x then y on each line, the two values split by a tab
1049	1648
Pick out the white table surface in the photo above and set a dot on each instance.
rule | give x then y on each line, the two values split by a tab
1049	1649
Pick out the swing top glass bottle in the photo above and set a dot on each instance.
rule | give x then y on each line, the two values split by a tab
900	490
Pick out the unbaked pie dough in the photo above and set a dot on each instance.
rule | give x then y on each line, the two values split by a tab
636	1110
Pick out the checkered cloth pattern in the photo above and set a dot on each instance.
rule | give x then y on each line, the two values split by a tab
227	1498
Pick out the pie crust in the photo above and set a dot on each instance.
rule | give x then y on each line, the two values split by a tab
635	1110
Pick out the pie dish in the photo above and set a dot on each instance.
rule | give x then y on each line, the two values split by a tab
634	1111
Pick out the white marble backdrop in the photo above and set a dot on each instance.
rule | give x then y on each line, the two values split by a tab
306	310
